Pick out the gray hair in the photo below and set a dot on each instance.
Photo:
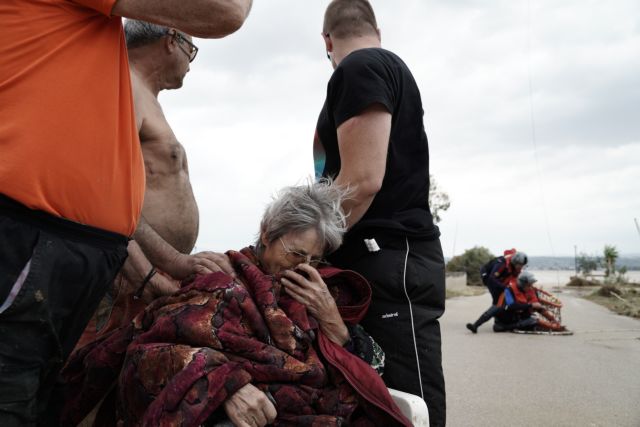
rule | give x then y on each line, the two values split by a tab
316	205
140	33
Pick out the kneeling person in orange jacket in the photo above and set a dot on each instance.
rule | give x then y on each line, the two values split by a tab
519	304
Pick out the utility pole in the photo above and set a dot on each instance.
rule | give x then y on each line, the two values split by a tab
637	226
575	258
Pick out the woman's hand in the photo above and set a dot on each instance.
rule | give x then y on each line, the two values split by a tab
314	294
250	407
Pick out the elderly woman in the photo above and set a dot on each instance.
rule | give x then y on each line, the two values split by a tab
278	344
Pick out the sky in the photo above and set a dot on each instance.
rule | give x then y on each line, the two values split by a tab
531	110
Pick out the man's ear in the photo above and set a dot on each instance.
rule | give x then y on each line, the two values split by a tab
170	42
328	43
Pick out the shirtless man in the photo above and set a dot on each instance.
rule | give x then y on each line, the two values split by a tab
159	59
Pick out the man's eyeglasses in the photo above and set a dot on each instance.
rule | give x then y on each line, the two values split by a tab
192	52
296	257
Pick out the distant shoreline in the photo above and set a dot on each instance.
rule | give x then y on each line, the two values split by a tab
549	277
632	263
568	263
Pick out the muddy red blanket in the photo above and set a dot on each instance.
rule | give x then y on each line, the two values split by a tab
178	361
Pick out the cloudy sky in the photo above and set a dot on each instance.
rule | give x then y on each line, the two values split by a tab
531	109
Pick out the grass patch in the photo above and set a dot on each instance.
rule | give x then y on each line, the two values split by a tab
580	282
622	299
469	291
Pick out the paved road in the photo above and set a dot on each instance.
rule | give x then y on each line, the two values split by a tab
591	378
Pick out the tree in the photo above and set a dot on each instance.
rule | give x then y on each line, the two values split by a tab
471	261
438	200
610	254
587	264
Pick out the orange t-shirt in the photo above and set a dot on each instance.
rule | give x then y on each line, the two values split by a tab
68	139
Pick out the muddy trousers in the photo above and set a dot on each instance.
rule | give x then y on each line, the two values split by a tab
53	273
407	279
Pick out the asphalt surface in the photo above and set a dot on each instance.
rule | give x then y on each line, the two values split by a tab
591	378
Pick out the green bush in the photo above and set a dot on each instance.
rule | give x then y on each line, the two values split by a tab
470	262
587	264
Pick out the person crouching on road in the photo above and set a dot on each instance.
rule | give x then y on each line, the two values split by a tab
496	276
521	309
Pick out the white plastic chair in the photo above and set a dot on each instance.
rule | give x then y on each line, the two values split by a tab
412	406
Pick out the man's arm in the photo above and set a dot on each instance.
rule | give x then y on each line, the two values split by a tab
199	18
177	265
496	273
363	142
135	270
511	304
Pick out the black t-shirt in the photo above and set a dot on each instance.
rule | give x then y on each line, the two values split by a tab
366	77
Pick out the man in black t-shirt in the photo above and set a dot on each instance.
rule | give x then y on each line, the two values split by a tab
370	136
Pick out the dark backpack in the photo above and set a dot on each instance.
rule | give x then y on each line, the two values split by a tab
486	269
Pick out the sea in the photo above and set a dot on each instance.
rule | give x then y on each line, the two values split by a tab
560	278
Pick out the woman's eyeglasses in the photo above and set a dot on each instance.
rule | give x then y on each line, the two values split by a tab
296	257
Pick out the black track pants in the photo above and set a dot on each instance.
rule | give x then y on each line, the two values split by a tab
407	277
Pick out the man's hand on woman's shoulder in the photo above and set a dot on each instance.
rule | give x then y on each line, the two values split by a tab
186	266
